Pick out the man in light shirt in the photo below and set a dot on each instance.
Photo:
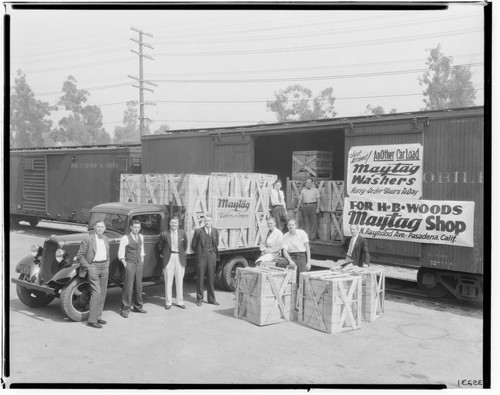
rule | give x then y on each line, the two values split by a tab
131	254
172	245
296	248
277	202
309	202
93	257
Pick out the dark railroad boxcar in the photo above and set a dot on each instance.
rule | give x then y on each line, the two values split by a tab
64	183
453	166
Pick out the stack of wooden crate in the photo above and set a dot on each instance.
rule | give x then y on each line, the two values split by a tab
373	284
330	302
318	165
193	195
265	295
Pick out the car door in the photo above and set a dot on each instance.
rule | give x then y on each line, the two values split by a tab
150	230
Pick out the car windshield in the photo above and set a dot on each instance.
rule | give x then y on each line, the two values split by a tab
114	222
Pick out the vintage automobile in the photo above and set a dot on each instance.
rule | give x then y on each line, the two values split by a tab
52	271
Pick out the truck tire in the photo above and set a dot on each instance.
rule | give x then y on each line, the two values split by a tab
75	299
229	271
31	297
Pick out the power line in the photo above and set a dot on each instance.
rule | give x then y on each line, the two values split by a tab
324	77
325	46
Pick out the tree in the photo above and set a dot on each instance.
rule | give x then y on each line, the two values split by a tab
162	129
130	131
83	125
446	86
377	110
28	124
294	104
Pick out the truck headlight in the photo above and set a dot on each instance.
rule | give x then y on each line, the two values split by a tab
36	250
60	255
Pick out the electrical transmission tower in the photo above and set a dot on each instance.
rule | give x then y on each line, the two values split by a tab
141	79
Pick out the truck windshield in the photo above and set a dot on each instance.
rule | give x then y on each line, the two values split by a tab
114	222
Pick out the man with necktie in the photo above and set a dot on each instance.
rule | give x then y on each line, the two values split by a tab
277	202
172	245
357	250
309	203
205	243
93	257
131	254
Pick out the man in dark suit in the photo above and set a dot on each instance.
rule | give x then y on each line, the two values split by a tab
172	245
357	248
205	244
93	257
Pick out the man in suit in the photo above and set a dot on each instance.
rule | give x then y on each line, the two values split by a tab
205	244
172	245
93	257
131	255
357	248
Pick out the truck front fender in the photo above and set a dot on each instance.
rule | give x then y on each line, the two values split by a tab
65	275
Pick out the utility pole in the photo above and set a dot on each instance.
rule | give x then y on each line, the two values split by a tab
141	79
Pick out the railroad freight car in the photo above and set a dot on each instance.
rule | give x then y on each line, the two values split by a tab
447	149
64	183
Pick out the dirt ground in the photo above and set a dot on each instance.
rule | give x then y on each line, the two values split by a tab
412	343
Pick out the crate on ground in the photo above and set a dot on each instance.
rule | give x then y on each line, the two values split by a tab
331	194
265	295
373	292
316	164
330	302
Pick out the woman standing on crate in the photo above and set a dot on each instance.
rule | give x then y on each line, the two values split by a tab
296	248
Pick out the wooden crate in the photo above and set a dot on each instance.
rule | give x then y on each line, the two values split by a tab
331	194
330	302
193	195
265	295
315	164
373	292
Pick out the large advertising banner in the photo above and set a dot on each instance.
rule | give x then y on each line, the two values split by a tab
385	170
421	221
233	212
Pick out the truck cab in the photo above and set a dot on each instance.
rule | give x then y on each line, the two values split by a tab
51	271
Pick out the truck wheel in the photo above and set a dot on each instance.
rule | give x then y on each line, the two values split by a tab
33	221
31	297
75	299
229	271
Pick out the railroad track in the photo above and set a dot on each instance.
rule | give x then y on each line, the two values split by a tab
410	290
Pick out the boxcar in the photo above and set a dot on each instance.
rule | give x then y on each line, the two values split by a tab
64	183
453	166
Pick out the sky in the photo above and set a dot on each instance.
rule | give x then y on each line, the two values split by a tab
218	68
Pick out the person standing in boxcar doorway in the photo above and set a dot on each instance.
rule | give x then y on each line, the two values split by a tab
277	202
93	257
205	244
357	248
172	245
131	254
309	202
